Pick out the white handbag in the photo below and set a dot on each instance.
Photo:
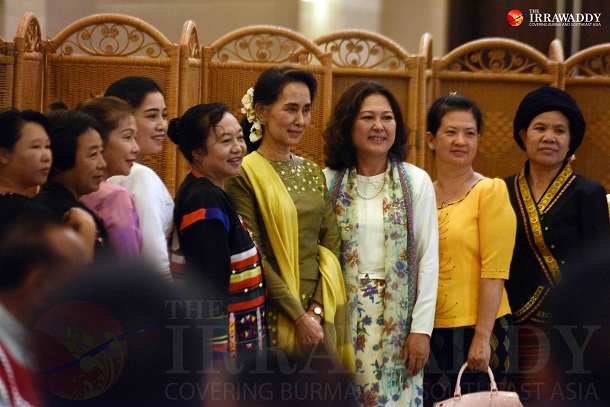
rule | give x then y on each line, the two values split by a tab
489	398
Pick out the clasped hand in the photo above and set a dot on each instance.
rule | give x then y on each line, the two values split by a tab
309	332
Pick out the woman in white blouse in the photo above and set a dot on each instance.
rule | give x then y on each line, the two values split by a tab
154	204
389	243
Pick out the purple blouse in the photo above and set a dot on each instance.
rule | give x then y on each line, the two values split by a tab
115	207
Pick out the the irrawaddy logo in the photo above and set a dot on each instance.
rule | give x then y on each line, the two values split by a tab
82	350
515	17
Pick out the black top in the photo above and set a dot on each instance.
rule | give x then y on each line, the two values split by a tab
575	219
15	208
208	239
59	200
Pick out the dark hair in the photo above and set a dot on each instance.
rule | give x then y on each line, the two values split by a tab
191	131
133	89
12	122
338	144
65	127
24	246
451	103
109	111
270	85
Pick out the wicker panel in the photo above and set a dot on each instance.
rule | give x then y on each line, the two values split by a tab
31	91
233	63
6	81
588	81
496	74
93	52
359	55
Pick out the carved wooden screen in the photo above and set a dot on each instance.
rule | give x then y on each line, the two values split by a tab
362	55
233	63
496	73
90	54
190	84
587	79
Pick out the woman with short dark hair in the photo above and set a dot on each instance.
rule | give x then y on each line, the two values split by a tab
212	238
477	231
78	167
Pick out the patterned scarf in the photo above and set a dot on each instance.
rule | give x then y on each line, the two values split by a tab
400	261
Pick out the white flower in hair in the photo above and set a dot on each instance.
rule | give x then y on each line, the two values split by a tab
256	131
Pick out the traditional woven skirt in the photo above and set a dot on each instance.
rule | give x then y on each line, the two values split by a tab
531	355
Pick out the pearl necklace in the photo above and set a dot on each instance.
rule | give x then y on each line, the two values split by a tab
456	191
367	197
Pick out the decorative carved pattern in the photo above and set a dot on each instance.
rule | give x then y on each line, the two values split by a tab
194	48
111	39
33	37
264	48
497	60
596	65
362	53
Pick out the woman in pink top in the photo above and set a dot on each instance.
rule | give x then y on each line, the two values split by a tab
111	203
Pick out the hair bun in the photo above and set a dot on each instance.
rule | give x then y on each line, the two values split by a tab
173	130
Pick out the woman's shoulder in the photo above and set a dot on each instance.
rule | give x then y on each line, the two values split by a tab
305	162
412	169
491	188
417	175
589	185
138	173
203	193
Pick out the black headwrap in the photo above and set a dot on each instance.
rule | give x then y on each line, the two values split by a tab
547	99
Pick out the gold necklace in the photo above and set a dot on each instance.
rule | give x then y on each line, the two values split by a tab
280	171
367	197
456	191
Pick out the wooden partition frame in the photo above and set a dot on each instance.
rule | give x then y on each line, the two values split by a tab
359	55
496	73
29	64
190	84
233	63
90	54
587	79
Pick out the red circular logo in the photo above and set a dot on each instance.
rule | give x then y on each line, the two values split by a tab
515	17
81	349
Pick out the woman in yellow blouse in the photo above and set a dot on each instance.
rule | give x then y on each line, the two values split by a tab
476	238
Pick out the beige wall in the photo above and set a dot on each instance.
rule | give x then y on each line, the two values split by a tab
406	21
402	20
